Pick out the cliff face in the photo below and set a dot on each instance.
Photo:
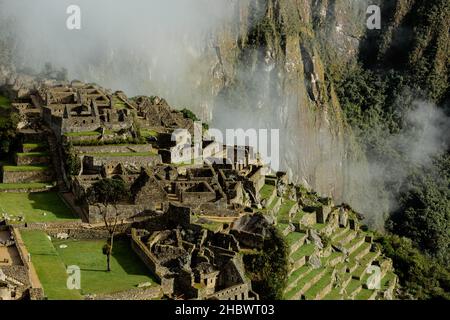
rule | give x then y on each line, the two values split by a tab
264	67
267	71
416	42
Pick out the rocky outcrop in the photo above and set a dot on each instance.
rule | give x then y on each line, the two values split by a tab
267	71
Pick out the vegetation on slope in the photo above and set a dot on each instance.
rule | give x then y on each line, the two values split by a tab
269	269
8	125
408	61
420	277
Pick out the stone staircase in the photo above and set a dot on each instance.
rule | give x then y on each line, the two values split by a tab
344	259
172	197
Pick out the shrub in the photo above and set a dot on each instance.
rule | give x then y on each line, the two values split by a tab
269	268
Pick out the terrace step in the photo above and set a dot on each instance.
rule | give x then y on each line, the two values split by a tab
305	282
353	245
339	232
25	187
303	252
274	206
345	280
286	209
333	259
295	275
268	193
389	281
284	228
346	237
362	251
360	272
296	240
321	288
172	197
366	294
334	294
352	266
353	288
370	257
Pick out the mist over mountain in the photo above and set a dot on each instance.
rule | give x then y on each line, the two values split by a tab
271	64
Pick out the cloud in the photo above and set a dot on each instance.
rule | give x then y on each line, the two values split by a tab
140	46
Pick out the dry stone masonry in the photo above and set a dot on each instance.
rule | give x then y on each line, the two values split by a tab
190	224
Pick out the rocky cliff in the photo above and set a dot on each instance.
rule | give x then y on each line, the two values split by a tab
268	70
266	64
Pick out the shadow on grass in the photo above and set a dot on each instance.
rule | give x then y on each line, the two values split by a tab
51	202
128	260
94	270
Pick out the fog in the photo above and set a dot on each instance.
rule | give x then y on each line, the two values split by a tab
139	46
424	136
155	47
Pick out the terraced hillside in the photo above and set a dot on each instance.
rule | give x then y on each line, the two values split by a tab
331	257
30	167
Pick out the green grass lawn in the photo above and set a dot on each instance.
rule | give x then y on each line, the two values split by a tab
305	250
34	147
273	203
324	281
266	191
283	213
33	206
32	154
122	154
49	266
21	186
51	261
293	237
82	134
148	133
25	168
127	270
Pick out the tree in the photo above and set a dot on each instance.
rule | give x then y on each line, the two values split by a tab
269	269
421	277
423	214
108	192
8	127
72	161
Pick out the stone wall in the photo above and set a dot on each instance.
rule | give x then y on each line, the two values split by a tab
97	162
25	190
179	215
237	292
79	124
148	258
18	273
125	211
151	293
197	197
114	148
248	240
258	179
27	176
25	160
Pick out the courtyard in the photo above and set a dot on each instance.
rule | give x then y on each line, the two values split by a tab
35	207
51	258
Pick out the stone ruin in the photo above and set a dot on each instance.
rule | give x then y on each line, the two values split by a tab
190	223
